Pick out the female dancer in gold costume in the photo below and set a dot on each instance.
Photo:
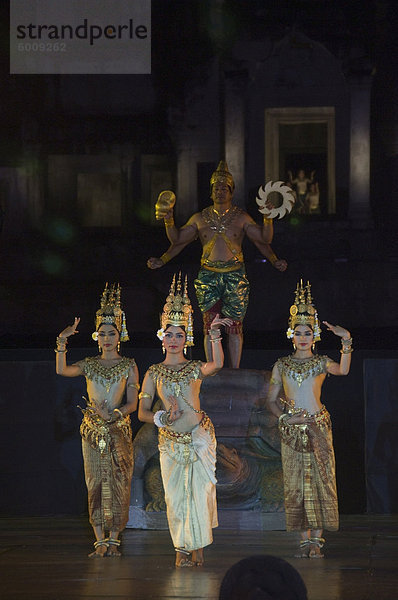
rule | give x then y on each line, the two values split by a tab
305	427
105	429
187	442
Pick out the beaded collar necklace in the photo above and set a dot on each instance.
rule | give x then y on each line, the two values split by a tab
299	370
220	223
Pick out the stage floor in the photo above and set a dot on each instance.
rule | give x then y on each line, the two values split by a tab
45	559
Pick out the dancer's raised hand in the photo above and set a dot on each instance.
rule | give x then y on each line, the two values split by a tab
71	329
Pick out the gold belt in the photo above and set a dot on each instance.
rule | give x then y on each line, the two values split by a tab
184	437
97	432
216	269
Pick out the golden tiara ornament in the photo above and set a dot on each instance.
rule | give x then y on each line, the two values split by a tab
303	311
110	312
222	175
178	310
287	199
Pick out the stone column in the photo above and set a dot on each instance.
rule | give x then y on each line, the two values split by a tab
234	128
359	207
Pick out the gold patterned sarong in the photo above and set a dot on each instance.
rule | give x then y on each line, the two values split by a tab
230	286
108	466
187	463
309	474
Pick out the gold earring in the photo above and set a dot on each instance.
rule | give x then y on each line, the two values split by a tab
185	350
294	346
313	345
163	349
99	349
118	346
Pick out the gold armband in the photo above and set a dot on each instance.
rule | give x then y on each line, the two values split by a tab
134	385
143	395
165	258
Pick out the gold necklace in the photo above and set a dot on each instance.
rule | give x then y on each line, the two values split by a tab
299	370
176	378
217	222
106	376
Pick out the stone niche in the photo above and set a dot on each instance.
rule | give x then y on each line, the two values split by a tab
249	470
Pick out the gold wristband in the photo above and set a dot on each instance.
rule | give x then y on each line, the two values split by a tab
169	222
144	395
346	350
267	220
272	259
134	385
117	410
61	343
165	258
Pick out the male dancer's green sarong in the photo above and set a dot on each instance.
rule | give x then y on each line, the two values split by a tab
226	282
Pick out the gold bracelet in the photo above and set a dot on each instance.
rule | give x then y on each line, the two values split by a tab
169	222
163	418
272	259
217	332
134	385
165	258
59	351
144	395
346	350
119	411
267	220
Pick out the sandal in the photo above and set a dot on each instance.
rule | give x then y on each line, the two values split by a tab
97	544
115	544
316	543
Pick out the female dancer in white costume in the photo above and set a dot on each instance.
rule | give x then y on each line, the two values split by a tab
187	443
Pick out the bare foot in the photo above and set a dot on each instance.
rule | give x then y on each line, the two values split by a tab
315	552
100	550
113	551
304	548
197	557
182	560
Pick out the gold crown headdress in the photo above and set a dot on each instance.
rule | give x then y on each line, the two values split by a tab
110	312
222	175
303	311
178	310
